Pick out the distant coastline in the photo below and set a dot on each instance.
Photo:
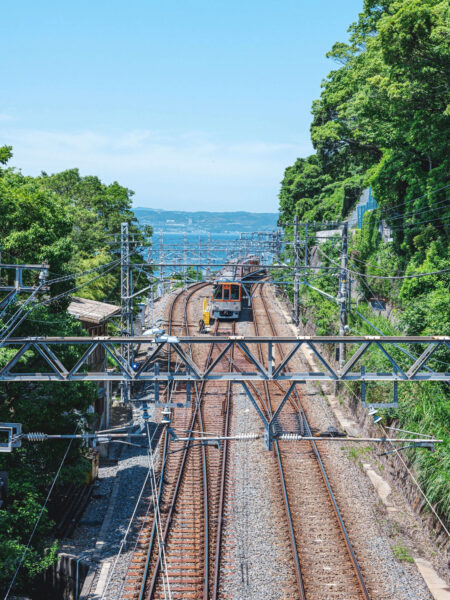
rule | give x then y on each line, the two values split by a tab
175	221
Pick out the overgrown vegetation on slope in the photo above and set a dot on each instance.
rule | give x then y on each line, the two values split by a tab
66	220
383	120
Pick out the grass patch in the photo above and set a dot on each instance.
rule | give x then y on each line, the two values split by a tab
402	553
360	451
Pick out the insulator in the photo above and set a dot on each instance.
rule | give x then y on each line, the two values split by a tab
289	437
36	436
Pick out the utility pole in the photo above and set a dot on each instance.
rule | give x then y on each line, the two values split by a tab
126	312
296	269
343	293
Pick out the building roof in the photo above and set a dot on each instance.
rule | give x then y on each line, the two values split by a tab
91	311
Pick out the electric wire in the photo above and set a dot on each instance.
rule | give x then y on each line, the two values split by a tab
392	277
22	558
392	208
82	273
410	354
158	520
24	315
417	212
119	595
430	505
124	539
14	326
415	225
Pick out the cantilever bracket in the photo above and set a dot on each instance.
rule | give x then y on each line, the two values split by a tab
14	432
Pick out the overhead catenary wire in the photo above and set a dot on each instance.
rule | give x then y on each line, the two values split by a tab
415	225
158	520
392	208
422	210
22	558
82	273
416	483
389	277
130	523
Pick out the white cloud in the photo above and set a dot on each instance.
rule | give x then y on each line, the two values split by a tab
165	171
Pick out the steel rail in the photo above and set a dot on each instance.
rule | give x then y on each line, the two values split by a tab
165	453
196	414
161	479
215	590
306	425
286	504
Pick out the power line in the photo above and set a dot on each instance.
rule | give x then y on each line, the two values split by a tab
22	558
416	212
414	225
82	273
386	276
433	510
392	208
10	328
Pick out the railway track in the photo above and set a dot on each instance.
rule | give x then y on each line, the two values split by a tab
325	561
179	555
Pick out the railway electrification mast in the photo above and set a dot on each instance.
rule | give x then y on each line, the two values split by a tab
126	305
342	296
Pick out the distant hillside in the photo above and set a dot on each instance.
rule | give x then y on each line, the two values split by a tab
175	220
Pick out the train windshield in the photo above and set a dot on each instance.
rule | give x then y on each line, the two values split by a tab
235	292
227	292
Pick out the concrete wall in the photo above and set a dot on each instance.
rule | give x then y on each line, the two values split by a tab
60	582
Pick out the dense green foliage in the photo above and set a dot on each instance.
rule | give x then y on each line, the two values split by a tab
68	221
382	120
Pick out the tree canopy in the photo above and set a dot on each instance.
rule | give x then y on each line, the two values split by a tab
68	221
382	120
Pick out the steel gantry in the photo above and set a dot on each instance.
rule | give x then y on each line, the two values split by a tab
50	367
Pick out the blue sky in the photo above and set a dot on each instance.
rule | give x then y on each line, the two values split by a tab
195	105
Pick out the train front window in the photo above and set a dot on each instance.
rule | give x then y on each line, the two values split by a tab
226	293
235	292
218	293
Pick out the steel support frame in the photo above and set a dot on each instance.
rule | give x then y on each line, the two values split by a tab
18	278
189	370
126	304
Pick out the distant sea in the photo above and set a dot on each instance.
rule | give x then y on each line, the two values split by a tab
176	241
177	228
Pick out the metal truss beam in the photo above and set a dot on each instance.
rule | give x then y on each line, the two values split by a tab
19	270
46	352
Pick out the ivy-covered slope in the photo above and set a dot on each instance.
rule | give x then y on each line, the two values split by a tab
383	119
